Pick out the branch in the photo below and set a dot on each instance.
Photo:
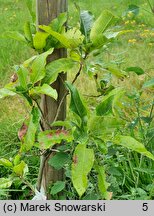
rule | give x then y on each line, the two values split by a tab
67	92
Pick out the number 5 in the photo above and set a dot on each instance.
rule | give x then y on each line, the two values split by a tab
145	207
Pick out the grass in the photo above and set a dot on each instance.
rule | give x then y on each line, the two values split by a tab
133	49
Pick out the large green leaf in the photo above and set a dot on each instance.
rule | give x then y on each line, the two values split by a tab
47	139
57	187
38	67
60	37
133	144
76	104
105	107
30	7
83	160
86	19
59	160
39	40
56	67
20	169
15	35
102	184
104	126
104	21
137	70
6	163
116	72
29	138
6	92
44	89
109	102
74	37
22	76
58	23
28	33
5	183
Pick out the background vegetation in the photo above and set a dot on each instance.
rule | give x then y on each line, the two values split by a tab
133	49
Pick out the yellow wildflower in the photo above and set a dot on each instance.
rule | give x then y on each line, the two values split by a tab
127	22
152	34
146	30
130	14
150	44
133	41
133	22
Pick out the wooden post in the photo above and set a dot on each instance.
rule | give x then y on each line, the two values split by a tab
47	10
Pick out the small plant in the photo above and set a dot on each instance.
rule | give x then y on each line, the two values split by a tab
86	139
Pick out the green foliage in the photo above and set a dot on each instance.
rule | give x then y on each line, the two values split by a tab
76	104
38	67
92	163
6	163
102	184
59	160
83	160
20	169
5	183
131	143
57	187
56	67
86	19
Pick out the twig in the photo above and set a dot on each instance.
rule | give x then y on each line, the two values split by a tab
78	73
43	116
67	92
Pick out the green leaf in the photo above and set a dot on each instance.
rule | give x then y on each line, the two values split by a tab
5	183
134	9
38	67
29	138
49	138
137	70
104	126
105	107
29	61
83	160
6	92
104	21
57	187
6	163
109	102
39	40
16	160
117	72
76	104
56	67
149	83
44	89
102	184
131	143
29	4
22	73
58	23
86	19
20	169
59	160
15	35
60	37
74	37
28	33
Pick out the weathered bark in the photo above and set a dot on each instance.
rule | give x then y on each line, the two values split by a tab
46	11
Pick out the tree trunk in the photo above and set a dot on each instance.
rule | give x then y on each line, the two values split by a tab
47	10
